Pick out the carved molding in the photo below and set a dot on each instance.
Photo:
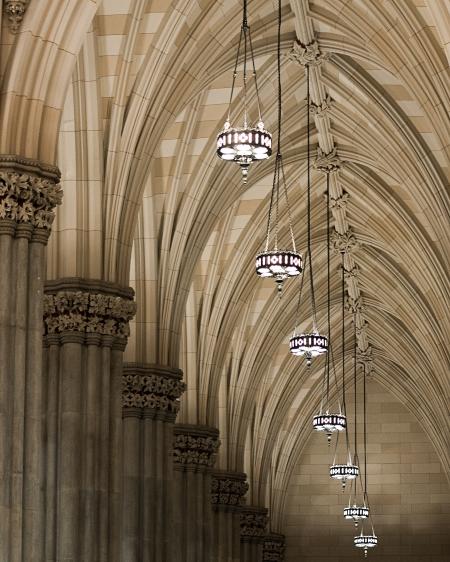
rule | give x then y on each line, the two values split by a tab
273	548
321	109
307	54
15	11
195	447
361	331
345	243
228	489
253	522
328	163
365	358
29	192
352	273
353	305
95	308
339	202
151	390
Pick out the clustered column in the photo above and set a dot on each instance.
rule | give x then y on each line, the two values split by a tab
227	496
195	449
86	329
29	193
150	395
273	548
253	531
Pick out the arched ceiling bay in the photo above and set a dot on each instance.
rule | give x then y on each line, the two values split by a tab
178	224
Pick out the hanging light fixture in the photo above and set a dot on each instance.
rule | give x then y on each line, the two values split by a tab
276	263
248	143
356	510
365	540
309	344
350	470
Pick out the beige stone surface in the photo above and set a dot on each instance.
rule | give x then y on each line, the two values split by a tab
408	492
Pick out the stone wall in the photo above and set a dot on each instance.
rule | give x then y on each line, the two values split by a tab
408	492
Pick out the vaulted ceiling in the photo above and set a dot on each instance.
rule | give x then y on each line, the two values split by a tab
148	203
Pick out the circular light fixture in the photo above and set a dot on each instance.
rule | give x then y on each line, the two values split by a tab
344	472
309	345
244	145
356	512
330	423
365	541
279	264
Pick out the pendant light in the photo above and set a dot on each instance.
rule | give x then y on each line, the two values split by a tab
366	540
247	143
326	420
356	510
309	344
350	470
276	263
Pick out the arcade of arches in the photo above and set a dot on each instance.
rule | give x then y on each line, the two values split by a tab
150	410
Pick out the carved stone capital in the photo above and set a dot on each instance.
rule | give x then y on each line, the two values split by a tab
345	243
151	391
309	54
273	548
328	163
195	447
253	523
228	489
29	192
88	307
321	109
15	10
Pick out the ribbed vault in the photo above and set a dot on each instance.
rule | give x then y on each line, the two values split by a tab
148	203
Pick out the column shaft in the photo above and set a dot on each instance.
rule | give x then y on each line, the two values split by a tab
150	402
86	325
227	496
29	192
195	449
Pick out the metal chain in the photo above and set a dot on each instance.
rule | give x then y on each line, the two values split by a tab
313	299
254	75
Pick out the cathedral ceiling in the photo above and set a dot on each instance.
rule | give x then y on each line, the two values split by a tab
148	203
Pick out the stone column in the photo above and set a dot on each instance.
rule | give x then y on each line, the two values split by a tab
195	449
86	329
29	192
253	532
227	496
150	402
273	548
